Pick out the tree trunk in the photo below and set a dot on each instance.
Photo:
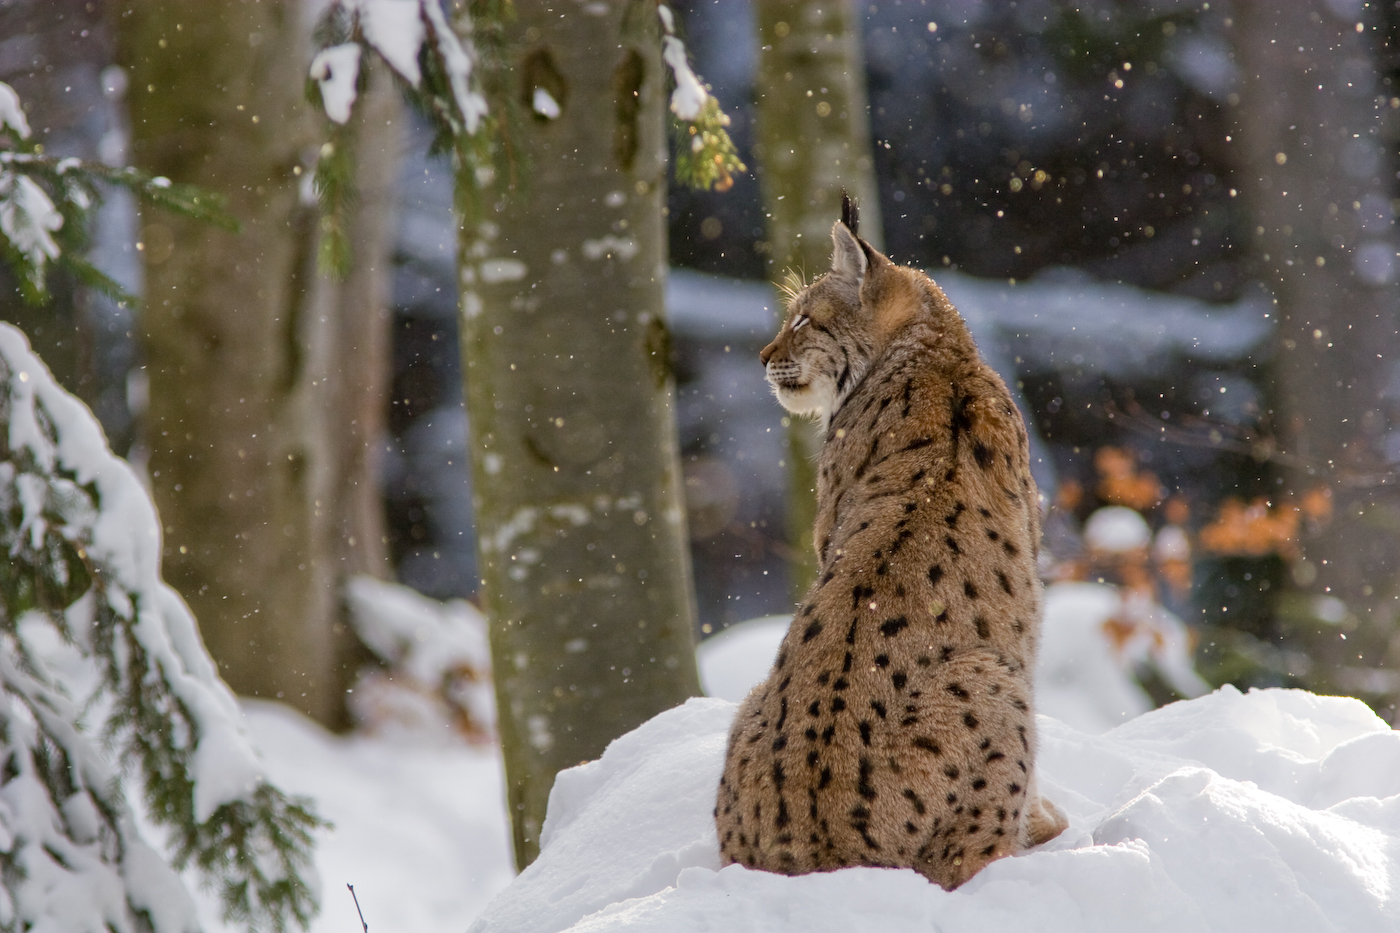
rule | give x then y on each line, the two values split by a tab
581	526
1318	184
248	390
814	142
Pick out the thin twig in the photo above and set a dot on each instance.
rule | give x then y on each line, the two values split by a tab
1230	438
357	908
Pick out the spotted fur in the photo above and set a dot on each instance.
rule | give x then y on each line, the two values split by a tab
896	727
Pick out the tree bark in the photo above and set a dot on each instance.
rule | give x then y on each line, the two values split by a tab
814	142
249	400
581	524
1318	183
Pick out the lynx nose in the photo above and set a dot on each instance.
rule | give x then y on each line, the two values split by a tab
767	352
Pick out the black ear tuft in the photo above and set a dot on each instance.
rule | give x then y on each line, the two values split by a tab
850	213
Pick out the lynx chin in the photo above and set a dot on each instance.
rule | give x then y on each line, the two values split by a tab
896	727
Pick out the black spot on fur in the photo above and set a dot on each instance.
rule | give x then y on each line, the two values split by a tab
828	733
982	453
915	800
952	544
811	736
984	630
780	743
859	594
883	569
928	745
892	627
994	756
952	772
910	506
990	849
882	660
815	708
824	678
992	535
952	518
969	590
779	778
864	732
1010	548
813	630
863	786
899	679
841	684
979	783
1014	788
1005	583
918	443
970	720
878	707
783	686
782	710
837	705
846	664
935	573
824	779
958	691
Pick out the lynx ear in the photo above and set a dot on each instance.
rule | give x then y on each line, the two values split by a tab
848	259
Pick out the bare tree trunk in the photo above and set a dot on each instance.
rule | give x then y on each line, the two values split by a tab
814	142
248	391
1318	183
582	540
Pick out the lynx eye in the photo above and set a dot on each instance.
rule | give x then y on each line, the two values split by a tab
800	322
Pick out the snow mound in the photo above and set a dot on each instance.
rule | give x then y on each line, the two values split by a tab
733	660
1274	811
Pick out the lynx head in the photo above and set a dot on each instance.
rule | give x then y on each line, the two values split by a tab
837	325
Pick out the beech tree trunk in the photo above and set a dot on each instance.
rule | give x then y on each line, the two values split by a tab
266	380
1318	183
582	539
814	142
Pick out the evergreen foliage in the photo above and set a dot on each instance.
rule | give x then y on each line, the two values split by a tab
45	203
101	662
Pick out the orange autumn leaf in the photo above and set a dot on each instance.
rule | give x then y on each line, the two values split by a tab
1317	503
1253	530
1123	483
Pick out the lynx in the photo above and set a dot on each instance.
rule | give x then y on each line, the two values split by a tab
896	726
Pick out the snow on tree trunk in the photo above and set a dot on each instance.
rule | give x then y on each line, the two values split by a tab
814	141
264	377
585	570
102	671
1318	181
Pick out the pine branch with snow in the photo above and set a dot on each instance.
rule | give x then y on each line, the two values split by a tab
705	155
46	203
100	663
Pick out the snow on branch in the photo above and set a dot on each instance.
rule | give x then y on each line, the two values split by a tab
46	202
705	156
401	33
81	581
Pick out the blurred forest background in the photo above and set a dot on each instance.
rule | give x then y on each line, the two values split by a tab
1170	224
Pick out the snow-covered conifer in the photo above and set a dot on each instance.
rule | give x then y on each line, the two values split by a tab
102	672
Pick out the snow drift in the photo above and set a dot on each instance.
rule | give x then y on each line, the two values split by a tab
1273	811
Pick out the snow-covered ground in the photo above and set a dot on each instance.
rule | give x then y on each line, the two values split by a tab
419	828
1275	811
